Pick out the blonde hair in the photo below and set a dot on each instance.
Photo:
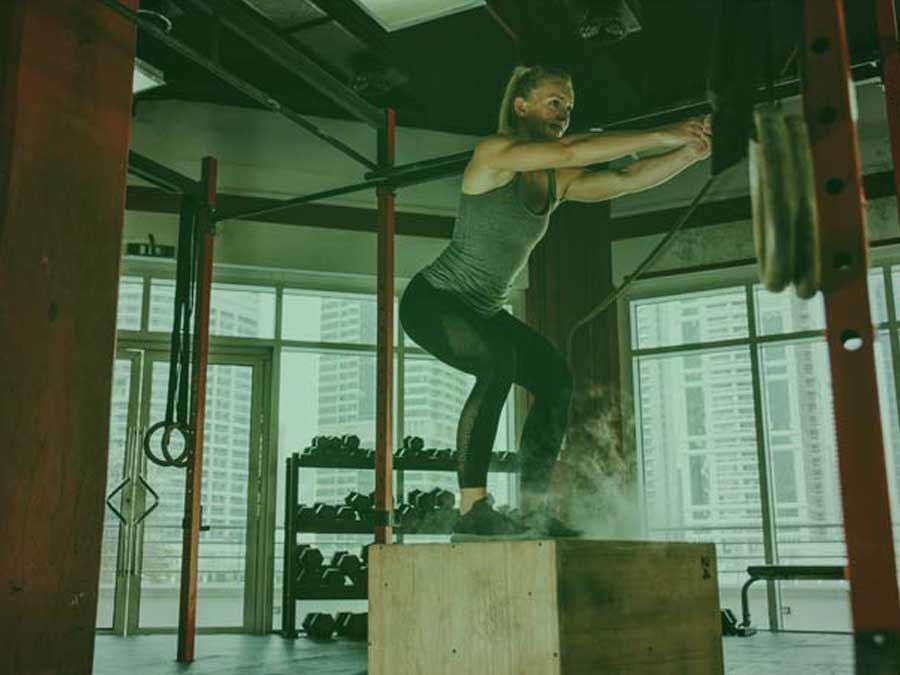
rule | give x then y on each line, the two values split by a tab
522	82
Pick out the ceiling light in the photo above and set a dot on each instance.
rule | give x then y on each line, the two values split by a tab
145	77
396	14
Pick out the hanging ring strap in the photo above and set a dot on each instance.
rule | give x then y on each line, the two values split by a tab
178	414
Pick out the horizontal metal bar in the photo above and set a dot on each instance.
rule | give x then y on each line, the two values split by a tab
796	572
252	26
455	163
161	176
238	83
281	205
861	73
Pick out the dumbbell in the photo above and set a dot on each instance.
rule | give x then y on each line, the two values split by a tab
340	620
423	501
305	512
347	514
441	456
359	501
310	558
333	579
411	450
319	625
321	445
445	514
409	516
325	511
310	578
360	580
353	626
346	562
443	499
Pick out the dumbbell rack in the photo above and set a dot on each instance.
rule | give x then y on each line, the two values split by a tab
294	525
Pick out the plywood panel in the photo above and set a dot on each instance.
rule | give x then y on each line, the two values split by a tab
639	607
463	608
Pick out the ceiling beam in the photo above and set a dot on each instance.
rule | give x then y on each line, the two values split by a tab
253	27
326	216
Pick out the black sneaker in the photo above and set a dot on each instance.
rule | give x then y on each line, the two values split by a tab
483	523
548	526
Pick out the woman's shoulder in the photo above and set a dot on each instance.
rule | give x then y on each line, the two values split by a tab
493	144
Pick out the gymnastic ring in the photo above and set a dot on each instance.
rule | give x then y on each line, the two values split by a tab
807	267
771	168
168	427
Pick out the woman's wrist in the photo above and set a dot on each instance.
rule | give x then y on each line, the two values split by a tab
666	137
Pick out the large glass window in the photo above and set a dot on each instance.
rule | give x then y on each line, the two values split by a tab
235	310
697	422
328	388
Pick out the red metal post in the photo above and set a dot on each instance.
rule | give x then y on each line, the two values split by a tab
850	336
187	615
384	454
890	74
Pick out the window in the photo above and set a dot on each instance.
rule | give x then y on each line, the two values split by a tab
699	447
329	389
253	307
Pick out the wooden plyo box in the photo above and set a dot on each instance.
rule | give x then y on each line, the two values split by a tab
566	607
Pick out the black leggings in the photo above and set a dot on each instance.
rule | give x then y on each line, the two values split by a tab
498	350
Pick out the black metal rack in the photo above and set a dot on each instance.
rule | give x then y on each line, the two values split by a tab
506	462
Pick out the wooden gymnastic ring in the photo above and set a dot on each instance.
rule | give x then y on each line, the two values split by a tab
771	194
807	276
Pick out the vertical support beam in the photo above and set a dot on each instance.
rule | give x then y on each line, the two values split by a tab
288	597
65	113
384	454
190	548
850	336
890	74
570	271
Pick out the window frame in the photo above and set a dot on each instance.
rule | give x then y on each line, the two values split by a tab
669	285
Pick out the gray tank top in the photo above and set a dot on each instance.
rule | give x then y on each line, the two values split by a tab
493	236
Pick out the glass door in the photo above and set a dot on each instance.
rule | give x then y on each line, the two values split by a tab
232	451
118	515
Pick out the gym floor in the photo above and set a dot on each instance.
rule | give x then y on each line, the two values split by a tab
762	654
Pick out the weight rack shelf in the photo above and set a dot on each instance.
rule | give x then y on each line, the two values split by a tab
509	465
294	525
337	527
349	593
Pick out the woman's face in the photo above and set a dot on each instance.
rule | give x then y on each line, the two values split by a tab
546	112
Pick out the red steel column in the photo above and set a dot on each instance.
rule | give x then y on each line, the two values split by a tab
384	453
187	615
850	335
65	114
890	74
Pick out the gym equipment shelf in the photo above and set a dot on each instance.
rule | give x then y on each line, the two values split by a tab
333	456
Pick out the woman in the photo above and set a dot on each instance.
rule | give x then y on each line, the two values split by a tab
454	307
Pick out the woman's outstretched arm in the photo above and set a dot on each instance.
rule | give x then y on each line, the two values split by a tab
501	153
579	185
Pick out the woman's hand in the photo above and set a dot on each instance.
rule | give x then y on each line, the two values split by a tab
699	148
691	130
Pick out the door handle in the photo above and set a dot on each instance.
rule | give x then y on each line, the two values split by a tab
109	499
154	493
